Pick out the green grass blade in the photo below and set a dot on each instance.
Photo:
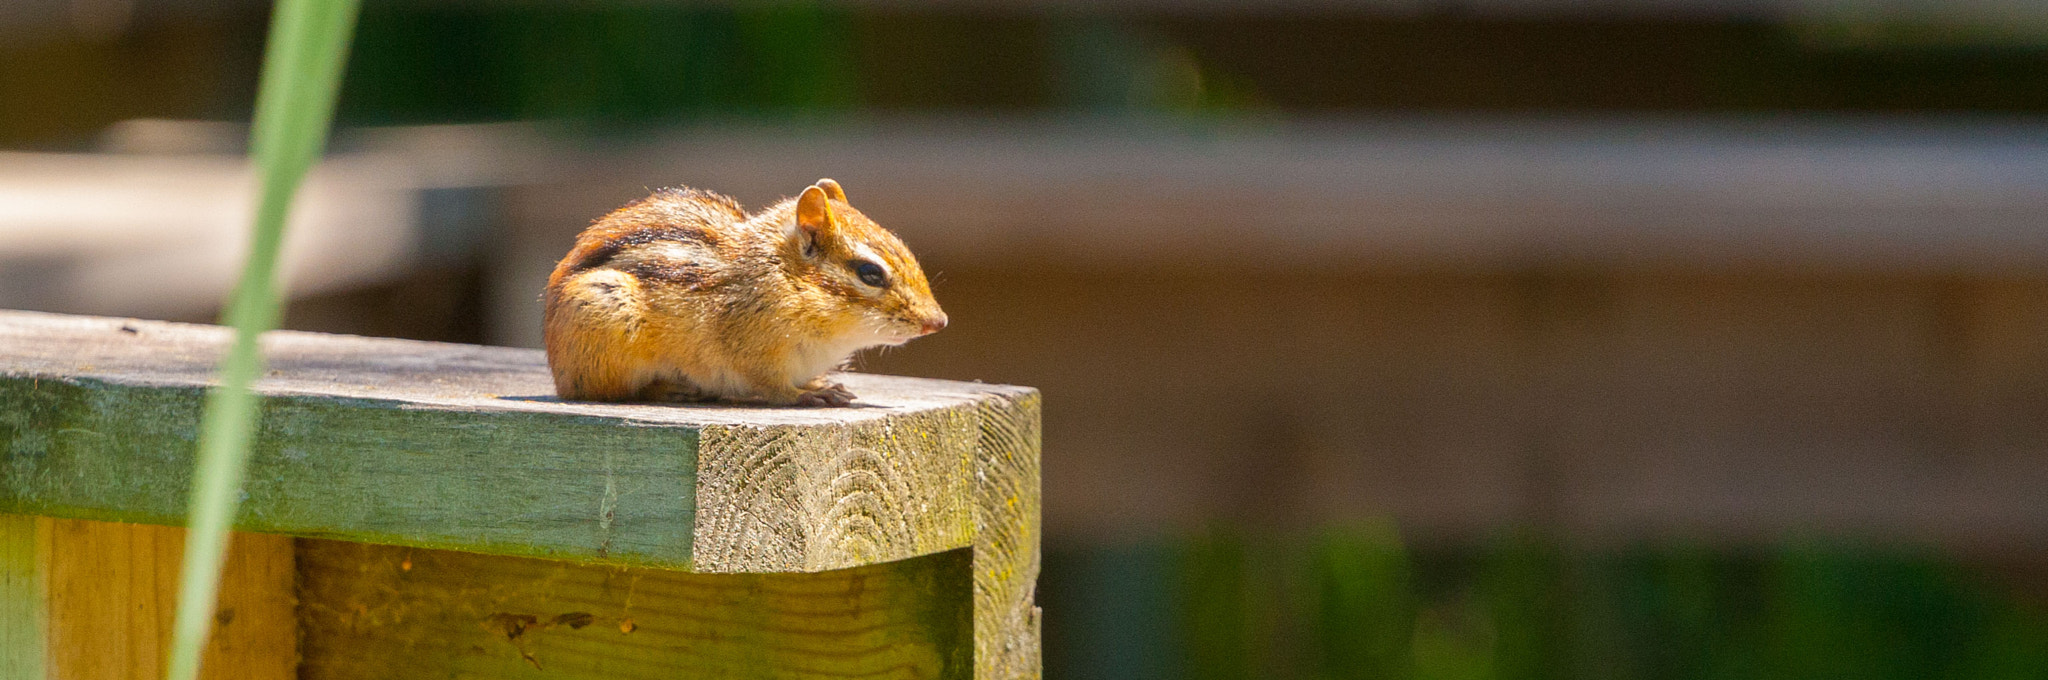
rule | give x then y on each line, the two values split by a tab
294	104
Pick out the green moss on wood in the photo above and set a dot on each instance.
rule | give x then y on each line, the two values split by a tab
524	483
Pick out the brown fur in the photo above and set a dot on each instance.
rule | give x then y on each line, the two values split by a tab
682	296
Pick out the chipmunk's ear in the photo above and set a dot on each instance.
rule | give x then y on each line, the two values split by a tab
814	213
832	190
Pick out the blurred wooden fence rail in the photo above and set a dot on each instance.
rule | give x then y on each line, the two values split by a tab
429	510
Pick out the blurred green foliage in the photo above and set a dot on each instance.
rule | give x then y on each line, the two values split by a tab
656	63
1353	603
637	63
1218	607
640	64
618	62
1361	605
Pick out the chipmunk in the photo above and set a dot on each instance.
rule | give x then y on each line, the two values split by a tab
681	296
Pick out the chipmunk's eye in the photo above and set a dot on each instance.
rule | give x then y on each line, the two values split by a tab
870	273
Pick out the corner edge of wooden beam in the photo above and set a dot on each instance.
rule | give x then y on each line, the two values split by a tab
715	489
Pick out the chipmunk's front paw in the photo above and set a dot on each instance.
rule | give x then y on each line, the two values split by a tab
831	394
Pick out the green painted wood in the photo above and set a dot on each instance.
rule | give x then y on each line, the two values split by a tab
398	613
24	623
546	485
463	447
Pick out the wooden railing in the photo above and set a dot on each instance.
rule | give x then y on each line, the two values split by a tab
431	510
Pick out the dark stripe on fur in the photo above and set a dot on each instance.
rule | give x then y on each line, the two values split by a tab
599	256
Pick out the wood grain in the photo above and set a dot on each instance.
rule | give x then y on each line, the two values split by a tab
394	612
1006	540
791	499
456	446
94	601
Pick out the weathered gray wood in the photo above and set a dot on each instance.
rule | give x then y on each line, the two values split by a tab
1506	192
156	233
464	447
391	612
769	502
1006	540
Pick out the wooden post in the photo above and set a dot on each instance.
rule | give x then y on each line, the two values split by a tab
87	600
472	524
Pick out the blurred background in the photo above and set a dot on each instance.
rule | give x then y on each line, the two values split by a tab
1379	338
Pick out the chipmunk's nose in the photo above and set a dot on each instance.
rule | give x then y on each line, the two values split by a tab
935	324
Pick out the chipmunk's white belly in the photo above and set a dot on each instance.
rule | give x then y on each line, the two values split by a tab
817	358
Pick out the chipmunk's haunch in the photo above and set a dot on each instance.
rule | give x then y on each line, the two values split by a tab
682	297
